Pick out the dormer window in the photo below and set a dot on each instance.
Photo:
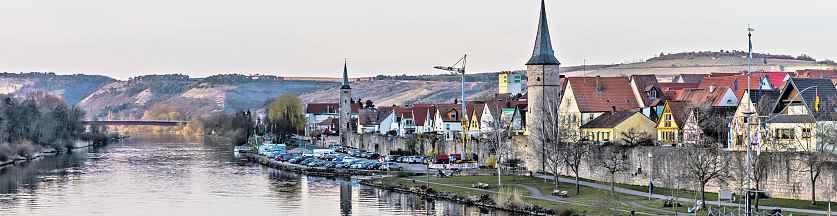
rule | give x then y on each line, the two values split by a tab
652	94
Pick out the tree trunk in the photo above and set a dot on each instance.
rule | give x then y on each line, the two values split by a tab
755	202
612	178
813	189
557	182
703	196
577	187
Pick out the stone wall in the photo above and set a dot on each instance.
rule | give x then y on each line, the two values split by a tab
784	180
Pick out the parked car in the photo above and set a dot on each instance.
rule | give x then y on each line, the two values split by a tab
392	158
390	166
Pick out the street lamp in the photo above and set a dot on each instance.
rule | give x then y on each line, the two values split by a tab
650	175
461	71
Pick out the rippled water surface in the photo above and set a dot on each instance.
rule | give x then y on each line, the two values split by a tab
167	177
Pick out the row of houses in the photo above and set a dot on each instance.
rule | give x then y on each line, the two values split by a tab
778	107
445	119
785	105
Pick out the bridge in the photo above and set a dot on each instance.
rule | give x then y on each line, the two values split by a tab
135	123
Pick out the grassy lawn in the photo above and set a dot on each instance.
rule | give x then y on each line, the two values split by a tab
589	202
711	196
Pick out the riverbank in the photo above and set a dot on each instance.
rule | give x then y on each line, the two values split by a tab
79	144
482	201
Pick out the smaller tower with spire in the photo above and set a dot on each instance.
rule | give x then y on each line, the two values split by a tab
542	92
345	115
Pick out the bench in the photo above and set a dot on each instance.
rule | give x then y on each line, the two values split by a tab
560	193
479	185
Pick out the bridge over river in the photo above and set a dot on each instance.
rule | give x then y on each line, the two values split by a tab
165	123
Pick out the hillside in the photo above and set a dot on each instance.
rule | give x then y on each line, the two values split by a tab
73	88
400	92
666	66
177	96
186	97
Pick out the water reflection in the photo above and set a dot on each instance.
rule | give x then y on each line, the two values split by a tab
186	177
345	198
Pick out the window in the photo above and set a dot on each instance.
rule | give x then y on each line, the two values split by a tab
667	120
806	133
652	94
606	137
785	133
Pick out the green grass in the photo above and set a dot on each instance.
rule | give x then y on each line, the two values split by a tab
590	201
711	196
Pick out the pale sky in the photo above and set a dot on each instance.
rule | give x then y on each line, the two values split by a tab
311	38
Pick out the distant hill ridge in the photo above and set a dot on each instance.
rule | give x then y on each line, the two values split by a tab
182	97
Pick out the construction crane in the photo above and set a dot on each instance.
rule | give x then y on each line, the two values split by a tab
459	68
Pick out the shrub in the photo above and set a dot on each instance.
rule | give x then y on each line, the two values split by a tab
509	198
491	161
566	212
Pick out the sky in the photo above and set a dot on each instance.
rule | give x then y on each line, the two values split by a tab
199	38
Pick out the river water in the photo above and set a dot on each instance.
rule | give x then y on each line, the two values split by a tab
148	177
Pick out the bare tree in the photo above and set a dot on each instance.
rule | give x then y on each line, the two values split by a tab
814	156
572	154
550	137
613	160
670	171
706	163
633	137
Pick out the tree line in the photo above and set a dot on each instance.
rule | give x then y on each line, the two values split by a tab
33	124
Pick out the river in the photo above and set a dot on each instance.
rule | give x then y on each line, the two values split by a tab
142	176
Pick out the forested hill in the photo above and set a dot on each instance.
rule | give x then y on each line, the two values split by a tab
72	88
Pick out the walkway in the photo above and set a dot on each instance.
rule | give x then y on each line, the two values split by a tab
679	199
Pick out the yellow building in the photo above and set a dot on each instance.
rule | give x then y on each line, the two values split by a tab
800	115
618	127
751	112
671	120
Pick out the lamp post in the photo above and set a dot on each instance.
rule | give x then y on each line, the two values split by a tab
650	176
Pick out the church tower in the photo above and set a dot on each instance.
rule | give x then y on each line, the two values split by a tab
345	109
543	92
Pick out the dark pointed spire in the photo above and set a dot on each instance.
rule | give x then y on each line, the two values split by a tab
543	53
345	76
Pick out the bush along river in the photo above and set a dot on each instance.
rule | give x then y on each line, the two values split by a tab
167	176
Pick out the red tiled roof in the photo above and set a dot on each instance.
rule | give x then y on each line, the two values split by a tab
829	74
676	86
420	114
602	94
404	112
444	109
702	96
776	79
737	83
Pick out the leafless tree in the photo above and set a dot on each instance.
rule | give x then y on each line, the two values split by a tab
633	137
572	154
813	156
706	163
670	170
613	159
549	138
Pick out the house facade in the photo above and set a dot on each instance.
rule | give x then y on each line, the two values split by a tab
618	127
672	119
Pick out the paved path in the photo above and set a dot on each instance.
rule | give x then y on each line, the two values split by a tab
679	199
